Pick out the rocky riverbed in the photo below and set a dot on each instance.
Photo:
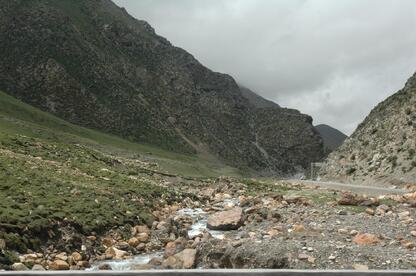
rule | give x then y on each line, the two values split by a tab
228	223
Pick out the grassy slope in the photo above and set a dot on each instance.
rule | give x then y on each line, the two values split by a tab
19	118
54	173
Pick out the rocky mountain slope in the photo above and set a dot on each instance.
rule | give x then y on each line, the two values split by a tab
382	149
91	63
333	138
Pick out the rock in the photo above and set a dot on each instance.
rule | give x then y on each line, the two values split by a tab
332	258
342	231
19	267
38	267
353	232
360	267
140	229
220	254
172	263
104	267
298	228
187	258
59	265
370	211
83	264
114	253
155	261
311	259
107	242
122	245
134	242
76	257
62	256
408	244
413	233
143	237
226	220
366	239
303	257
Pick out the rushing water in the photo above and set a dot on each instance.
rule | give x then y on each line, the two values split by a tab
197	214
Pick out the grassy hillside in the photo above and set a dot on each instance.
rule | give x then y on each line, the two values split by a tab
55	175
17	118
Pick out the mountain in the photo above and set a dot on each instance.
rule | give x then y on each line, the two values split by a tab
333	138
92	64
382	149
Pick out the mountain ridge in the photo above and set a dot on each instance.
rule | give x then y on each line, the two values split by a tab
135	84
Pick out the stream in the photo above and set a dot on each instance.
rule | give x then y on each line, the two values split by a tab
197	214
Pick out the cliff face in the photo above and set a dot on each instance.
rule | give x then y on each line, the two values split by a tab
91	63
382	149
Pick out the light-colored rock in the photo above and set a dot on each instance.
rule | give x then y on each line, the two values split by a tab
38	267
342	231
61	256
227	220
298	228
142	237
187	258
19	267
76	256
59	265
360	267
140	229
115	253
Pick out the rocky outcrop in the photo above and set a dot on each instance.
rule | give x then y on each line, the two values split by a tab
219	254
91	63
383	148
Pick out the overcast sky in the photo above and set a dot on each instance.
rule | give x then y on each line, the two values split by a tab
332	59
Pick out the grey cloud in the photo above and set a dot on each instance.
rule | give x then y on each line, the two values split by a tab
334	60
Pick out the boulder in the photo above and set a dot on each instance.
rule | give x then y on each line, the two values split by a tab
19	267
38	267
76	256
114	253
59	265
187	258
226	220
172	263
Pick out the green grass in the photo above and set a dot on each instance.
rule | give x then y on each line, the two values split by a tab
54	174
19	118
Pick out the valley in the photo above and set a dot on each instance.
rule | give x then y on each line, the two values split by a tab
121	151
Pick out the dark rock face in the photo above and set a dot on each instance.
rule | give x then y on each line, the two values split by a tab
92	64
333	138
382	149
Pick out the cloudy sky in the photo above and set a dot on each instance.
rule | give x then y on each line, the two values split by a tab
332	59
